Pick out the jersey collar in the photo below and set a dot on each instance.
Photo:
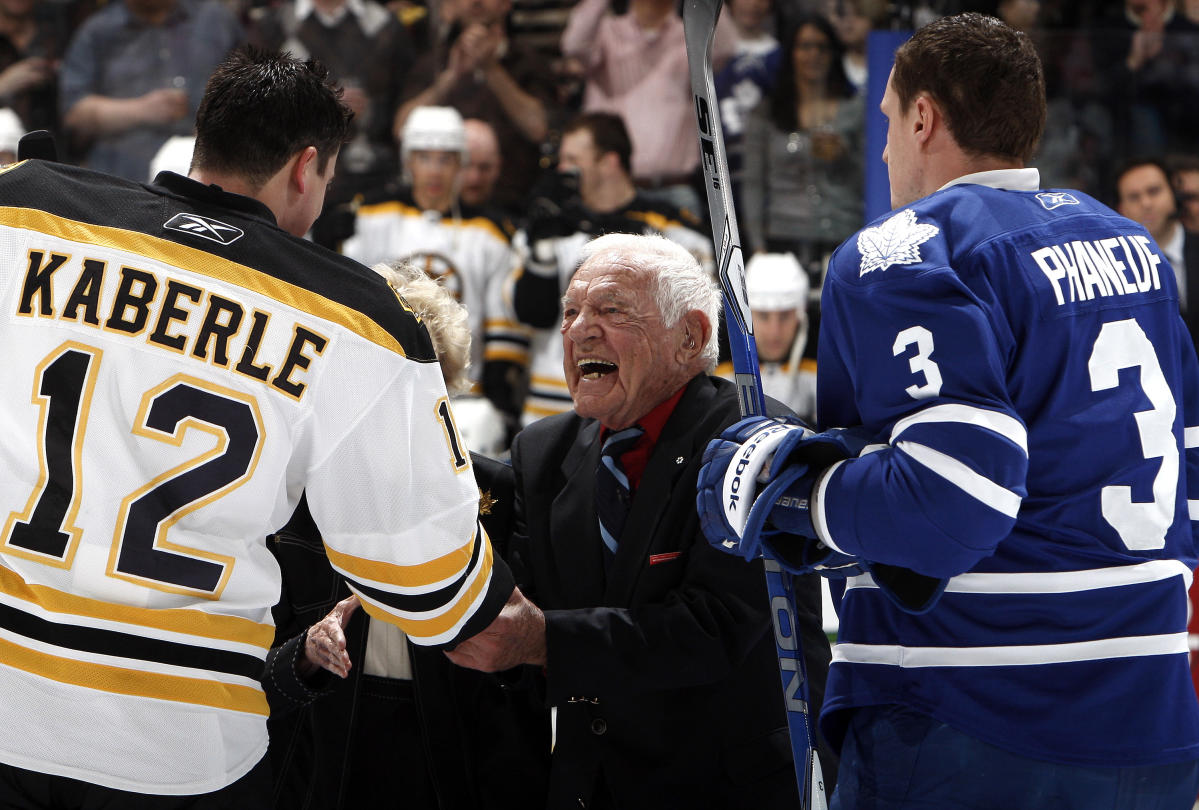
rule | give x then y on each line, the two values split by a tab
215	195
1006	179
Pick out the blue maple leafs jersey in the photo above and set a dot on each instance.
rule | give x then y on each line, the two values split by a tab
1035	397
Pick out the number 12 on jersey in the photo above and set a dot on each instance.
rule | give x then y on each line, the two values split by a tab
45	531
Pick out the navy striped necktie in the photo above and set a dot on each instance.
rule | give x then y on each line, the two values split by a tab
612	491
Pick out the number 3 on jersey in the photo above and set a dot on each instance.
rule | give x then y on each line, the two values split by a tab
1141	526
45	530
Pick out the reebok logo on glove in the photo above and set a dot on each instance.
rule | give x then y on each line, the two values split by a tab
741	478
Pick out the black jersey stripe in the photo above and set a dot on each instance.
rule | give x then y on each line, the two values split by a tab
126	645
431	600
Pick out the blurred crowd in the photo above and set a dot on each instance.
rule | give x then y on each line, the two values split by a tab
489	144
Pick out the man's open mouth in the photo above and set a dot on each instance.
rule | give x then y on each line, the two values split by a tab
594	369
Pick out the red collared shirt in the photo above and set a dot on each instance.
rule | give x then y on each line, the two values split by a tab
633	461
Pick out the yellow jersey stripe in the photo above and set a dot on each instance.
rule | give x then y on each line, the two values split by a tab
397	207
119	680
436	626
405	576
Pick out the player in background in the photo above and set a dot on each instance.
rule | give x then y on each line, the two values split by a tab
1017	536
465	248
182	372
777	289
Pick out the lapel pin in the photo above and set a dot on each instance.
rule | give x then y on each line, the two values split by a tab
678	460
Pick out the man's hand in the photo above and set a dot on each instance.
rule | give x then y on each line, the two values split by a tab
30	72
480	45
515	637
163	106
325	646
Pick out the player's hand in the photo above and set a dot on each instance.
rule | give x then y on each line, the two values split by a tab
325	646
755	492
516	636
730	477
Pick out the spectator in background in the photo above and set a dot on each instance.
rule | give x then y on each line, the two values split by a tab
747	78
1144	195
483	163
33	36
753	21
635	65
1185	179
483	74
592	193
1148	57
853	20
777	288
1019	14
802	191
368	53
469	252
133	76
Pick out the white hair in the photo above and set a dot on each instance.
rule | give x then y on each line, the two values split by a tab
445	318
680	284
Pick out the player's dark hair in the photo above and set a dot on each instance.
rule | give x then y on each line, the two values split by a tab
985	77
609	134
262	107
1182	163
784	100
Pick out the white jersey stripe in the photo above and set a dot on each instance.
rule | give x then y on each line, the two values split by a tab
994	421
1055	581
977	486
819	519
1190	437
1015	656
1193	509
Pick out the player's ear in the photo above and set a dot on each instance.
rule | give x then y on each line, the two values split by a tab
925	117
303	169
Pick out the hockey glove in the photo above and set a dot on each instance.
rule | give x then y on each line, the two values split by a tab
786	459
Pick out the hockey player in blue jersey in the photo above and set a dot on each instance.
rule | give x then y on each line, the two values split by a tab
1008	493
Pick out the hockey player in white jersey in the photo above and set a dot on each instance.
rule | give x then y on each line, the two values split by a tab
467	249
181	369
1018	534
777	290
591	194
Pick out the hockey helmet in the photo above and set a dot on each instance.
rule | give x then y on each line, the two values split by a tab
775	281
437	129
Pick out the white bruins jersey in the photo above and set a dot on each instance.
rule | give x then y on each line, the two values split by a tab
178	372
548	393
793	384
470	255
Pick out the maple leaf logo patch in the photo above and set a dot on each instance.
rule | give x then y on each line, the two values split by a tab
896	241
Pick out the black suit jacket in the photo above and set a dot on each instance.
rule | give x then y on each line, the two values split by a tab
663	672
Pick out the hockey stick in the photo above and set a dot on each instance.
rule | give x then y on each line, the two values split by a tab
699	27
